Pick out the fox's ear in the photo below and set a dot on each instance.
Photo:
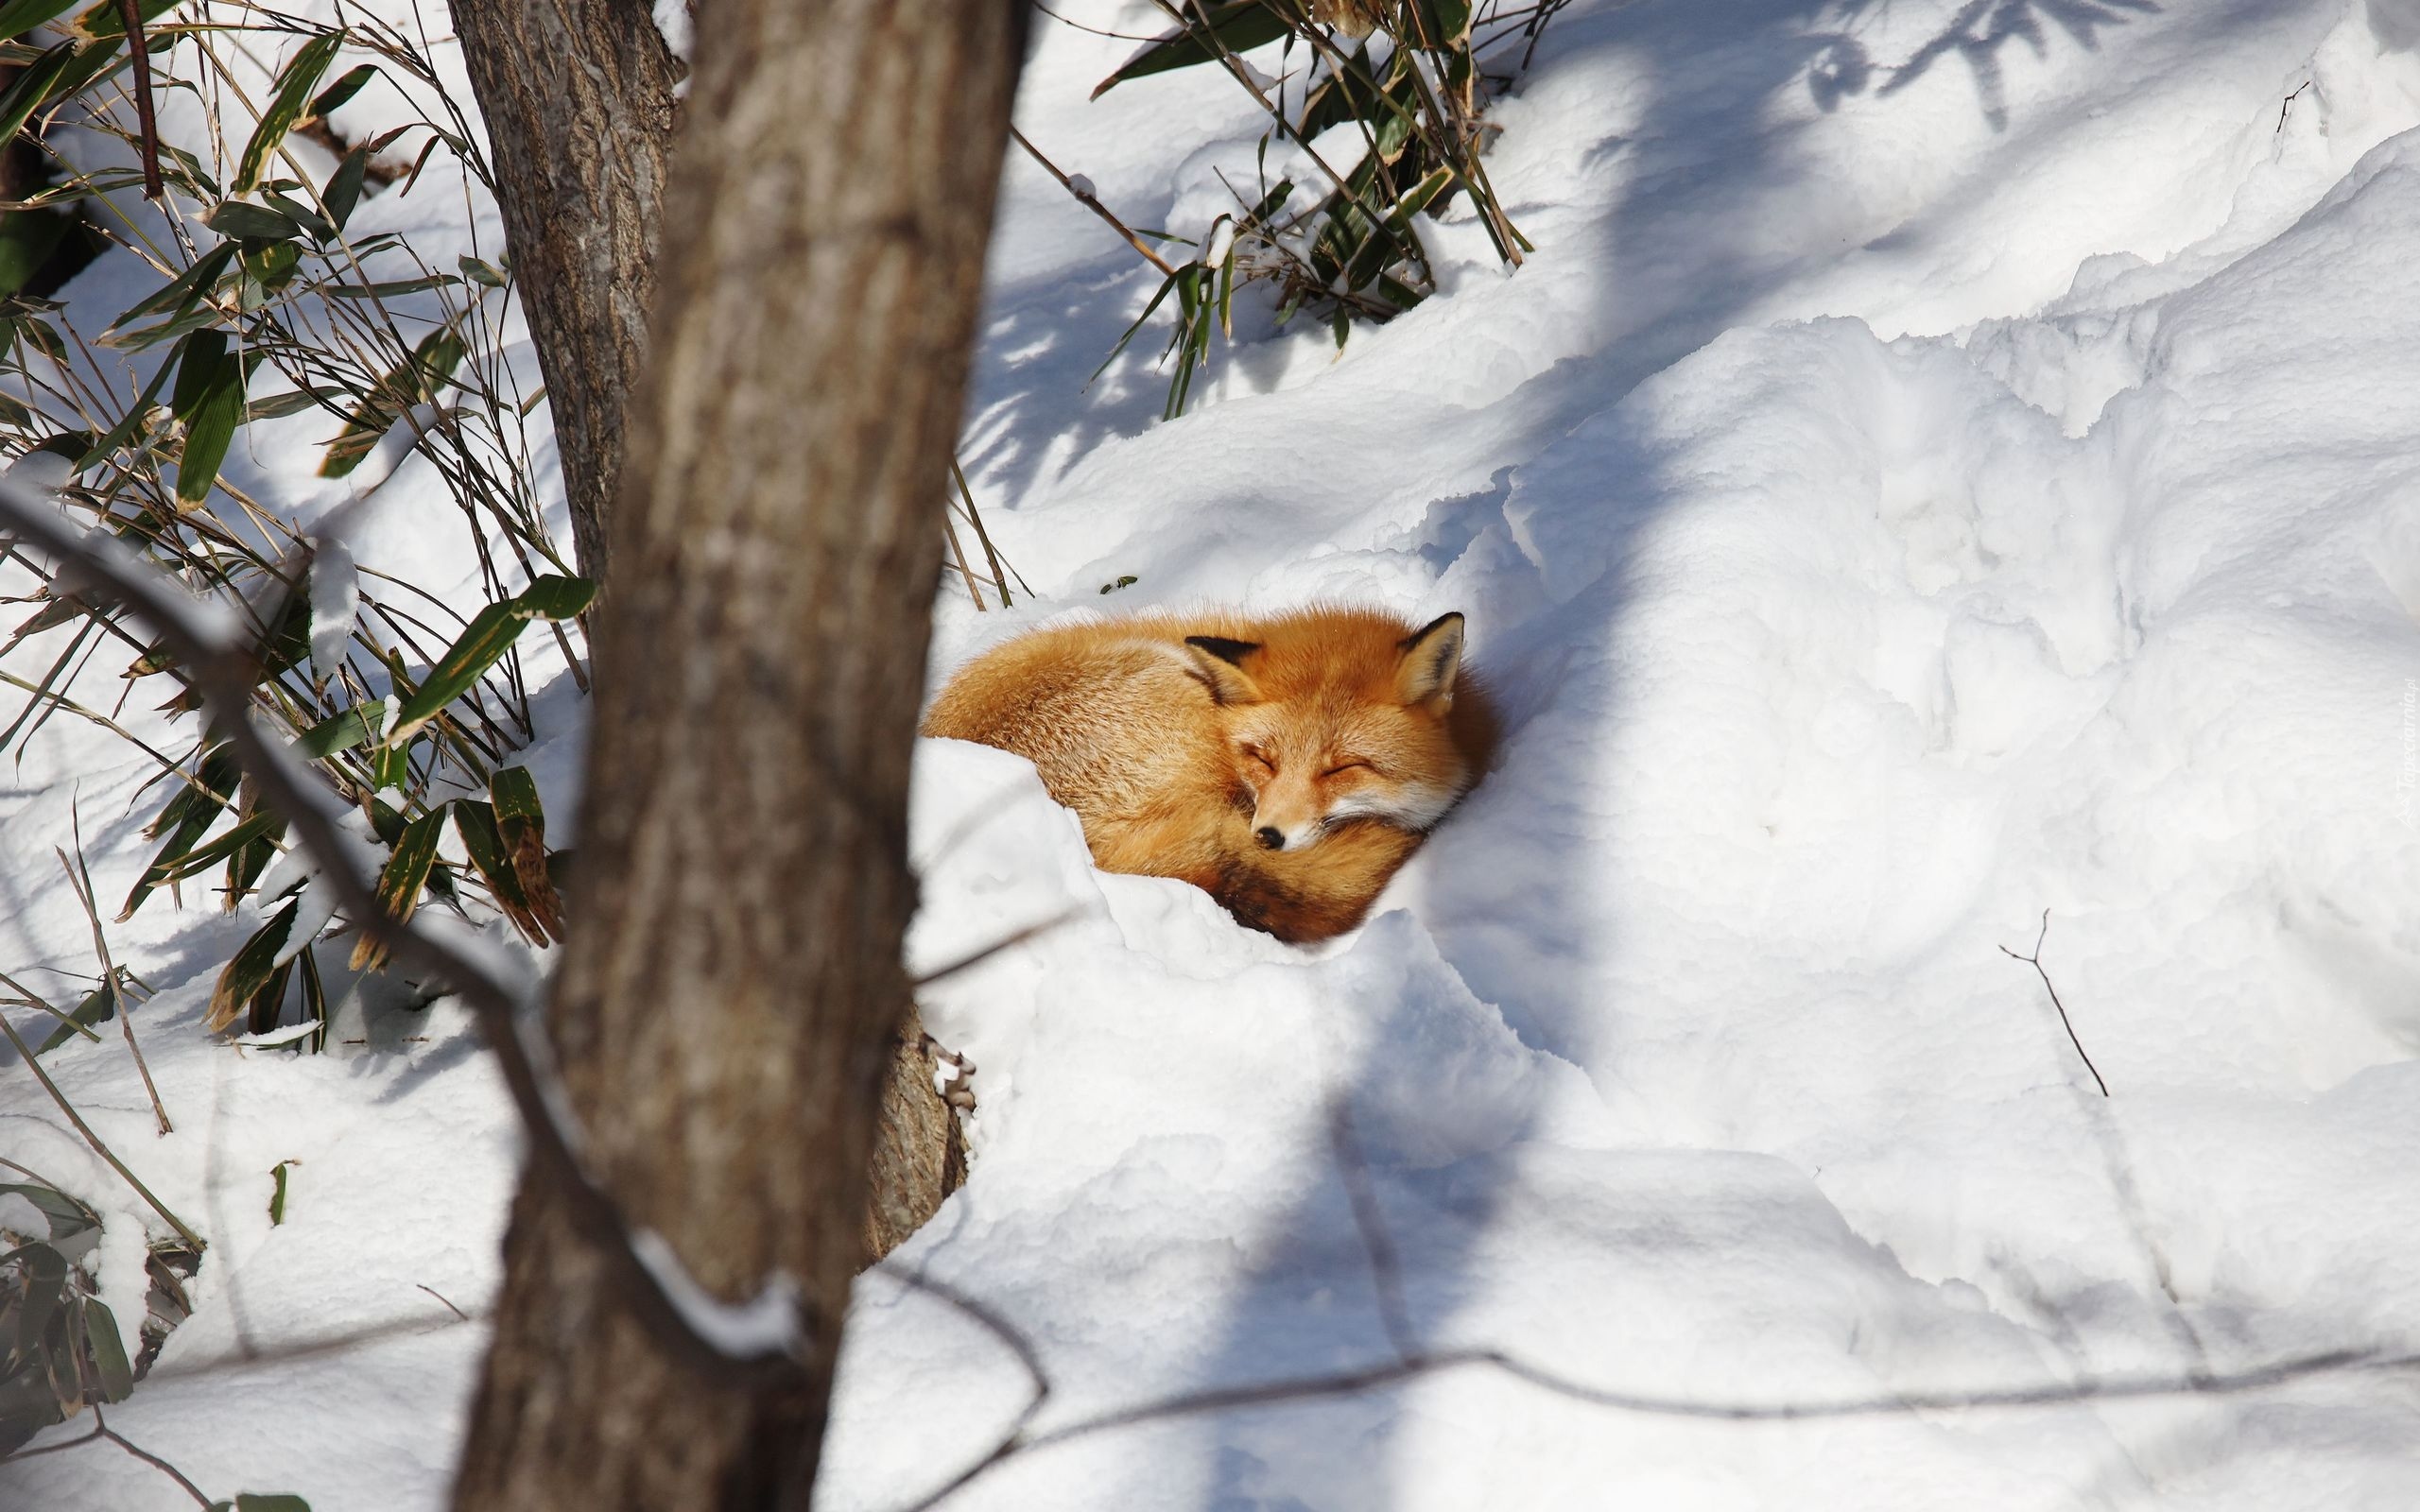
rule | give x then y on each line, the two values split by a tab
1431	656
1220	662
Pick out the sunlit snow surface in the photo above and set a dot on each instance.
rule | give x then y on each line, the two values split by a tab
1943	463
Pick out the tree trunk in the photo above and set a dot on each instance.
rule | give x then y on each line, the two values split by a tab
578	104
577	100
728	998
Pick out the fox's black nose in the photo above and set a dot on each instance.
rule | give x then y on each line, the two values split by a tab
1271	837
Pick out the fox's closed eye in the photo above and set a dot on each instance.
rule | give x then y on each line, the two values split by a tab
1256	754
1354	765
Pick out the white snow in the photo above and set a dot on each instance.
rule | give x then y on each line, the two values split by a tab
1944	463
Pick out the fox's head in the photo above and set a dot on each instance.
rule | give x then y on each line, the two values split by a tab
1338	714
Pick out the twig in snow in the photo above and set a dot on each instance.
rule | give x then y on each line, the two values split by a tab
1084	196
1412	1362
977	957
26	1053
145	1455
762	1341
2034	960
440	1297
2288	105
79	881
28	997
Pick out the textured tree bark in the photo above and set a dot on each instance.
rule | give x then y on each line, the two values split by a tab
578	104
725	1014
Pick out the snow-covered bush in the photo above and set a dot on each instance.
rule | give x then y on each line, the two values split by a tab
1404	87
277	317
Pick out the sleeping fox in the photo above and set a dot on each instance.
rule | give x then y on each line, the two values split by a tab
1285	765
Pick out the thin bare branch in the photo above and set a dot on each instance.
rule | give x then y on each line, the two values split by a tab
26	1053
79	881
977	957
725	1340
2035	961
1085	198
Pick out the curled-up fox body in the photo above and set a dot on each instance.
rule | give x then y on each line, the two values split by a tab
1285	764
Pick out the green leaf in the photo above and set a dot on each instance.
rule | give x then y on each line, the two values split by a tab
521	824
400	882
99	1007
250	971
347	85
278	406
33	86
341	733
321	227
106	22
187	289
185	819
479	271
22	16
108	1350
557	597
236	218
388	289
68	1217
259	1502
1239	25
294	87
418	380
277	1191
203	857
1444	24
344	187
483	842
209	400
489	634
269	267
42	1273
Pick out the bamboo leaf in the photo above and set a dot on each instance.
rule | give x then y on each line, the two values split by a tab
388	289
108	1350
483	842
356	726
99	1007
33	86
521	824
489	634
208	398
278	406
236	218
344	186
68	1217
294	87
182	292
250	971
400	882
417	379
202	858
23	16
104	22
43	1275
348	84
1239	25
194	810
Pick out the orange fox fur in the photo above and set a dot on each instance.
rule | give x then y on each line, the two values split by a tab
1285	764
